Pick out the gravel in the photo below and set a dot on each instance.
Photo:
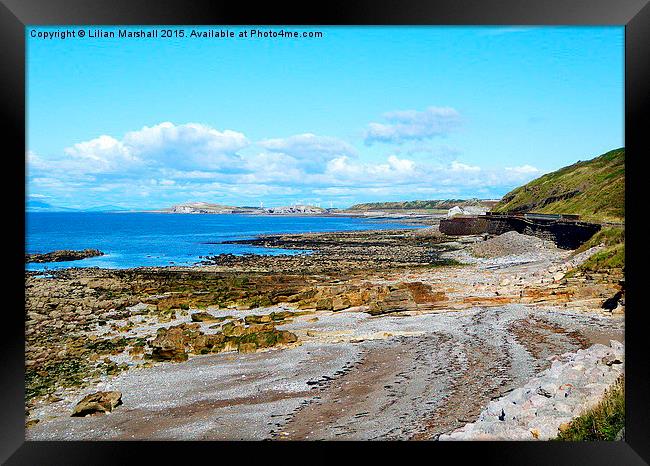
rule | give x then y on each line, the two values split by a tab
510	243
391	387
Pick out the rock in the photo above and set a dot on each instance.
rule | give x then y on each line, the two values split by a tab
547	390
551	400
169	345
339	303
99	402
558	276
63	255
564	427
31	423
398	298
204	317
233	329
324	304
247	348
610	360
617	346
261	319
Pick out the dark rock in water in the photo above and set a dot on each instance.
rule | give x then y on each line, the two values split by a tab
63	255
99	402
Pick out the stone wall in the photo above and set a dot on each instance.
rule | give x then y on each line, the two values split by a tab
565	234
458	226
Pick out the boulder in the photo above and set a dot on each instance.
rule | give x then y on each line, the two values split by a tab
233	329
204	317
97	403
399	298
258	319
169	345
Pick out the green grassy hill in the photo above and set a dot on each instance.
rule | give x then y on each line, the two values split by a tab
422	205
594	189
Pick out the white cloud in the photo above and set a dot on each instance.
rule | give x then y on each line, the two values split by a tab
342	171
462	167
100	155
309	145
307	151
401	165
405	125
191	145
524	169
171	163
185	147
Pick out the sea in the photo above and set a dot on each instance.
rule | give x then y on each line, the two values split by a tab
161	239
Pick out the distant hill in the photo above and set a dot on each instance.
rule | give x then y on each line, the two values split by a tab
445	204
594	189
34	205
105	208
207	208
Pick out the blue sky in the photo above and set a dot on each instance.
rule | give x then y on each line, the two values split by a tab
361	114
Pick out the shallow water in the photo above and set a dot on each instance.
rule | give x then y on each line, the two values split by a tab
158	239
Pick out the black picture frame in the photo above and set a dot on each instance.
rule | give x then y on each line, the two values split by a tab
15	15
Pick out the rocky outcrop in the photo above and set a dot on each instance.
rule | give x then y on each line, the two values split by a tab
169	345
205	317
409	296
97	403
63	255
547	403
177	342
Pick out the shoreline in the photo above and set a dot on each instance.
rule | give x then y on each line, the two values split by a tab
361	296
255	240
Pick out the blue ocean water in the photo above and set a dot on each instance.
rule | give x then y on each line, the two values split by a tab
158	239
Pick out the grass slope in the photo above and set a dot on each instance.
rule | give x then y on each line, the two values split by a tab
603	421
593	189
422	205
611	257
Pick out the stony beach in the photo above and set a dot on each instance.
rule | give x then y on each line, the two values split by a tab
398	334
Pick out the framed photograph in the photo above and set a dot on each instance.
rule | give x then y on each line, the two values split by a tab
362	224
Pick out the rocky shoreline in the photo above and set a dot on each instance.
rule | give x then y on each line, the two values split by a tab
62	255
546	404
357	298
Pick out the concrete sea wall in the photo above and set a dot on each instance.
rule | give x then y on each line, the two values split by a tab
565	234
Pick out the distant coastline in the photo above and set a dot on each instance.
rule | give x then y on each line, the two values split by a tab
391	208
